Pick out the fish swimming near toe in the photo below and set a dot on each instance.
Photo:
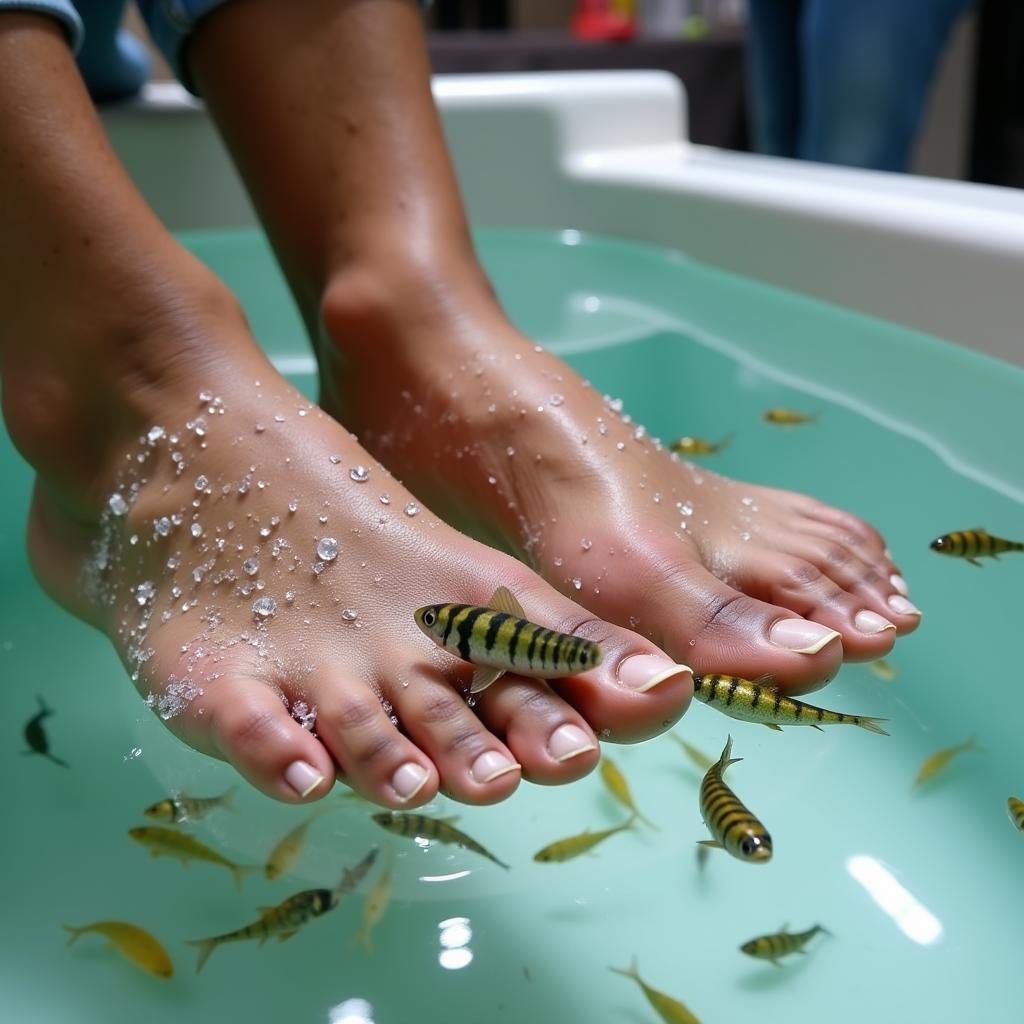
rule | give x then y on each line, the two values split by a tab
698	757
781	943
750	702
938	761
973	544
565	849
180	808
289	848
1015	808
168	842
787	417
498	638
36	738
616	784
735	829
440	830
132	942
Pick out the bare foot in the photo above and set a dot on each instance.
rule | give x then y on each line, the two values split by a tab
258	573
510	444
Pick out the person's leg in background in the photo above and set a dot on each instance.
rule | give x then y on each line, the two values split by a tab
867	66
774	74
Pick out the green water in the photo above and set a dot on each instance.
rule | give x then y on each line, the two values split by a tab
915	436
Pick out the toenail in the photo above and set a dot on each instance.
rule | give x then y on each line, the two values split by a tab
869	622
409	780
569	741
801	636
644	672
901	606
490	766
899	584
302	777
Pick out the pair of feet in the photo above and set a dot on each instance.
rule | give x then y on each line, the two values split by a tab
258	568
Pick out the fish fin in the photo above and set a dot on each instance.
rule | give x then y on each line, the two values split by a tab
632	971
871	724
57	760
364	940
824	931
503	600
647	821
776	963
802	952
974	561
206	947
227	799
784	930
263	911
483	677
75	932
239	871
450	819
712	844
285	936
814	725
44	709
773	726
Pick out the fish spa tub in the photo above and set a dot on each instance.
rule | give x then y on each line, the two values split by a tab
702	288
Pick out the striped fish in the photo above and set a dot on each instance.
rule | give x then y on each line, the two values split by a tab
973	544
1016	811
499	639
787	417
180	807
735	829
565	849
440	830
782	943
749	702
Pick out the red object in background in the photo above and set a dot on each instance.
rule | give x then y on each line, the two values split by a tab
596	21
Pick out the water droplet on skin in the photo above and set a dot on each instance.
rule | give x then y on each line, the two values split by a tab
259	428
163	526
744	535
144	593
154	434
335	459
411	509
293	506
302	412
360	474
492	480
196	530
327	549
199	427
261	484
576	582
318	567
620	445
556	400
279	418
586	544
385	499
510	451
202	483
244	484
264	608
323	519
492	408
117	504
205	396
349	615
685	508
250	567
289	596
639	433
172	563
264	532
559	561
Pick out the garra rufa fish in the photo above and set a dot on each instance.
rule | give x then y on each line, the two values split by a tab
787	417
440	830
289	848
616	784
670	1010
781	943
565	849
183	847
132	942
36	738
698	446
181	807
1015	808
936	762
498	638
973	544
750	702
735	829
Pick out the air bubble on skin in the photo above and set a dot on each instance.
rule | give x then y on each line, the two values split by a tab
163	526
177	696
175	592
657	498
615	404
264	532
510	451
633	622
349	615
559	561
289	596
198	426
264	608
492	408
411	509
323	519
327	549
744	535
133	539
360	474
196	530
250	567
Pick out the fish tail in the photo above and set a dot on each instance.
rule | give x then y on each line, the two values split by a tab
822	929
75	932
871	724
364	940
632	971
206	947
43	707
725	760
227	800
239	871
647	821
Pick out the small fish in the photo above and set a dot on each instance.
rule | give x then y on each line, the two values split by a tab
883	670
287	851
181	808
670	1010
781	943
440	830
937	761
616	783
735	829
133	943
497	639
170	843
973	544
36	738
698	757
351	877
698	446
749	702
565	849
374	906
1015	809
787	417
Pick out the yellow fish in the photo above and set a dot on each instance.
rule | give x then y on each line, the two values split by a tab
781	943
973	544
566	849
787	417
284	855
937	761
698	446
374	906
499	639
670	1010
698	757
440	830
883	670
285	919
167	842
181	807
735	829
133	943
616	783
1015	808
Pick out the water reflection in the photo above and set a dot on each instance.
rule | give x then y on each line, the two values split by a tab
912	918
455	935
445	878
352	1011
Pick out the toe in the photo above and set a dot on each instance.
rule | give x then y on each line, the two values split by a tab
377	760
246	723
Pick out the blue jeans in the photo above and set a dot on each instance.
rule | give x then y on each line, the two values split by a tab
844	81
